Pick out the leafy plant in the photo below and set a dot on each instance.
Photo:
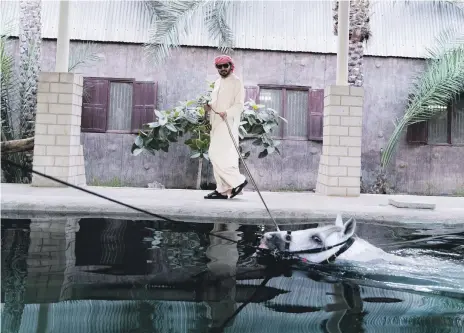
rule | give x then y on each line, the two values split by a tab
440	83
257	123
12	106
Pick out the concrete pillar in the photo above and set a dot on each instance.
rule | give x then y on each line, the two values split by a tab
340	164
57	148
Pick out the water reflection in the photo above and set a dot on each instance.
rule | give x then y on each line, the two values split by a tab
15	243
223	256
346	309
107	275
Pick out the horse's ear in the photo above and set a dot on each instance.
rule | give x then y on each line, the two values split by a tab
349	227
339	220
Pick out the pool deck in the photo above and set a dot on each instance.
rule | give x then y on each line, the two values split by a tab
21	200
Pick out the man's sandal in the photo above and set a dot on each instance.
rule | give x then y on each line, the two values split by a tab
238	189
216	195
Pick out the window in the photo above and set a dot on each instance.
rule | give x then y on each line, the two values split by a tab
117	105
302	107
446	128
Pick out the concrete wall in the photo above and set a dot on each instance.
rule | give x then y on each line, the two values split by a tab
426	169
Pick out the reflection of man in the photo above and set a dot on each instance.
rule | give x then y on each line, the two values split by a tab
227	99
220	291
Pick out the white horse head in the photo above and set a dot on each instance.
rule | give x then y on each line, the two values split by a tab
325	238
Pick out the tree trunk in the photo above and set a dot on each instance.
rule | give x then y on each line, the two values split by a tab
355	63
30	41
15	146
359	32
200	168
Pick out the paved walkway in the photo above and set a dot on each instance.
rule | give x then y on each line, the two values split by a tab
189	205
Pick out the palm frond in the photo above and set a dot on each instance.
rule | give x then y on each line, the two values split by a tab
440	83
217	26
9	89
173	21
439	4
447	40
10	104
84	54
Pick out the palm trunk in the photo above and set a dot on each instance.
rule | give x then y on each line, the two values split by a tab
359	32
14	146
30	40
355	63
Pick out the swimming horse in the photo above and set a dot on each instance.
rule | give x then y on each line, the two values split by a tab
326	244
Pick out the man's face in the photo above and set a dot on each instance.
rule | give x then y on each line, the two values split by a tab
223	69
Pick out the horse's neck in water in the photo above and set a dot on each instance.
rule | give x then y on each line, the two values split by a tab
363	251
360	251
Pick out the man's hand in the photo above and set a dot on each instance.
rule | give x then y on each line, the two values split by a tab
223	115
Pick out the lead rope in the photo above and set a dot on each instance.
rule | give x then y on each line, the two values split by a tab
247	170
112	200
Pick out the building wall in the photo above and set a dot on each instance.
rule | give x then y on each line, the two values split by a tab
399	28
425	169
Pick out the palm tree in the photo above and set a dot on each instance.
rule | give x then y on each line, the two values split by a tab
359	33
18	98
171	20
30	41
440	83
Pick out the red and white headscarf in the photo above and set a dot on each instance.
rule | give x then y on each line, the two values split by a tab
224	59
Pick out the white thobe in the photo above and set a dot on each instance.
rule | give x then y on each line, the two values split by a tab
227	96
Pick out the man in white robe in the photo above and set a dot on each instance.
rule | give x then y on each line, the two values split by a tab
227	99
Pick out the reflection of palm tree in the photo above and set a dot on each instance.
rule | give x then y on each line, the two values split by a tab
15	247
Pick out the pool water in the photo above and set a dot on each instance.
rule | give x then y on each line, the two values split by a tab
73	275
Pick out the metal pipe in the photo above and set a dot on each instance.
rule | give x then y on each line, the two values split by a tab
62	42
342	42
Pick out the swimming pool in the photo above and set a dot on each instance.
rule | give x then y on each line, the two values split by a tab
76	275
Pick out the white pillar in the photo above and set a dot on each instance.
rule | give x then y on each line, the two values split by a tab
62	43
57	143
342	42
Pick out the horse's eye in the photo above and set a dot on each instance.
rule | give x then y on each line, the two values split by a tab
316	239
